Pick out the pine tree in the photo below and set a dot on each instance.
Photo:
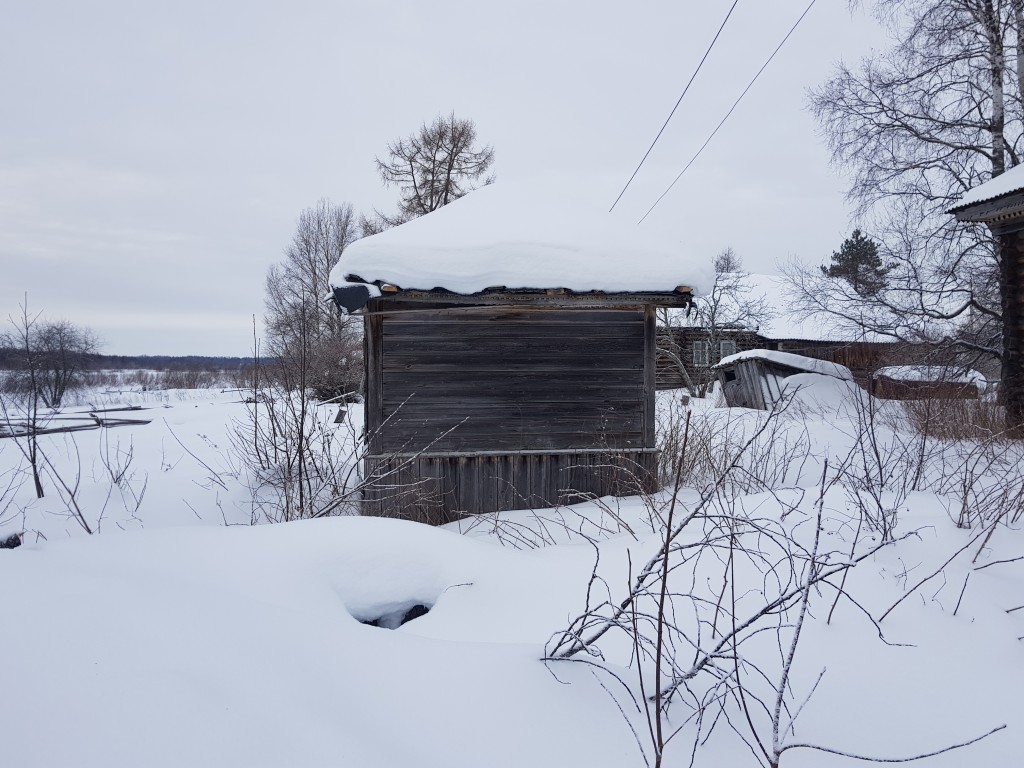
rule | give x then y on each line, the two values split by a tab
858	263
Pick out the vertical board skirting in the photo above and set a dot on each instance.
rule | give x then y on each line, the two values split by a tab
441	488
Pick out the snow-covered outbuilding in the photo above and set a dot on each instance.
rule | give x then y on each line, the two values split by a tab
936	382
510	354
778	324
756	378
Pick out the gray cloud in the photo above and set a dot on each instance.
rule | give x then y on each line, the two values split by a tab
154	156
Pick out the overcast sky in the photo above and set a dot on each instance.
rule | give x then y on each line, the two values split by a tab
155	155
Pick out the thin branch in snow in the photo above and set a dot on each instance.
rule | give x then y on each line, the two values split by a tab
910	759
962	590
999	562
935	573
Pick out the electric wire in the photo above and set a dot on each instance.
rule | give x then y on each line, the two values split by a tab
731	110
678	102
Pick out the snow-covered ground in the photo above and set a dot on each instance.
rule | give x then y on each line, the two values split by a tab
160	466
183	635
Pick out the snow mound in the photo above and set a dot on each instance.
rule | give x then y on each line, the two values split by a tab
931	373
823	394
500	236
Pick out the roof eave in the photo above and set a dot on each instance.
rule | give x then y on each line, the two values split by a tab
681	296
994	211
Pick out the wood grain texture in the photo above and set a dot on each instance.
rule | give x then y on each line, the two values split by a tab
440	489
510	380
532	394
373	393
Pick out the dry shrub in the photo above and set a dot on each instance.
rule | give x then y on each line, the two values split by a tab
147	379
956	419
718	438
189	379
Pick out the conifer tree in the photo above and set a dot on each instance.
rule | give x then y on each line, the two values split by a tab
435	166
858	263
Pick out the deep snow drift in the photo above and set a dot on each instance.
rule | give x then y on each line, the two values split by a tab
188	642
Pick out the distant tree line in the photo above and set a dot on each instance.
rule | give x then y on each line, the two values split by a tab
10	359
42	360
214	363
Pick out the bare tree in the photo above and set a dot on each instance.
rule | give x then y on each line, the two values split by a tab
46	358
312	352
918	125
431	168
729	310
304	329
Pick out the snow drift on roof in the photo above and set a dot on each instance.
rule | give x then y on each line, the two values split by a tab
931	373
789	360
1003	184
503	236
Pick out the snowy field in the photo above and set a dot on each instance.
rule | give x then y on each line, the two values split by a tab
182	634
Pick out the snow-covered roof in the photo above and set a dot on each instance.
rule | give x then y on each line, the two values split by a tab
1005	183
789	360
505	236
931	373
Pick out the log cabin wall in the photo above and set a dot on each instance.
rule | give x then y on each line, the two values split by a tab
892	389
1011	278
862	358
487	408
675	345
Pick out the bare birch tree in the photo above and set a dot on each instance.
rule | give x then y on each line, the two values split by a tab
917	126
730	309
303	327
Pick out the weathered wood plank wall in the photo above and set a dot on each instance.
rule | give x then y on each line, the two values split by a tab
477	409
745	386
510	380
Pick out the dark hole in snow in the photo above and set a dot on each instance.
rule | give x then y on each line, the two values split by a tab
395	619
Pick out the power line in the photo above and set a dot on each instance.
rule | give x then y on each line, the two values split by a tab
731	109
678	102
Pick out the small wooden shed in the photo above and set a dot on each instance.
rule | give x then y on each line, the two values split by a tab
755	378
781	327
503	368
